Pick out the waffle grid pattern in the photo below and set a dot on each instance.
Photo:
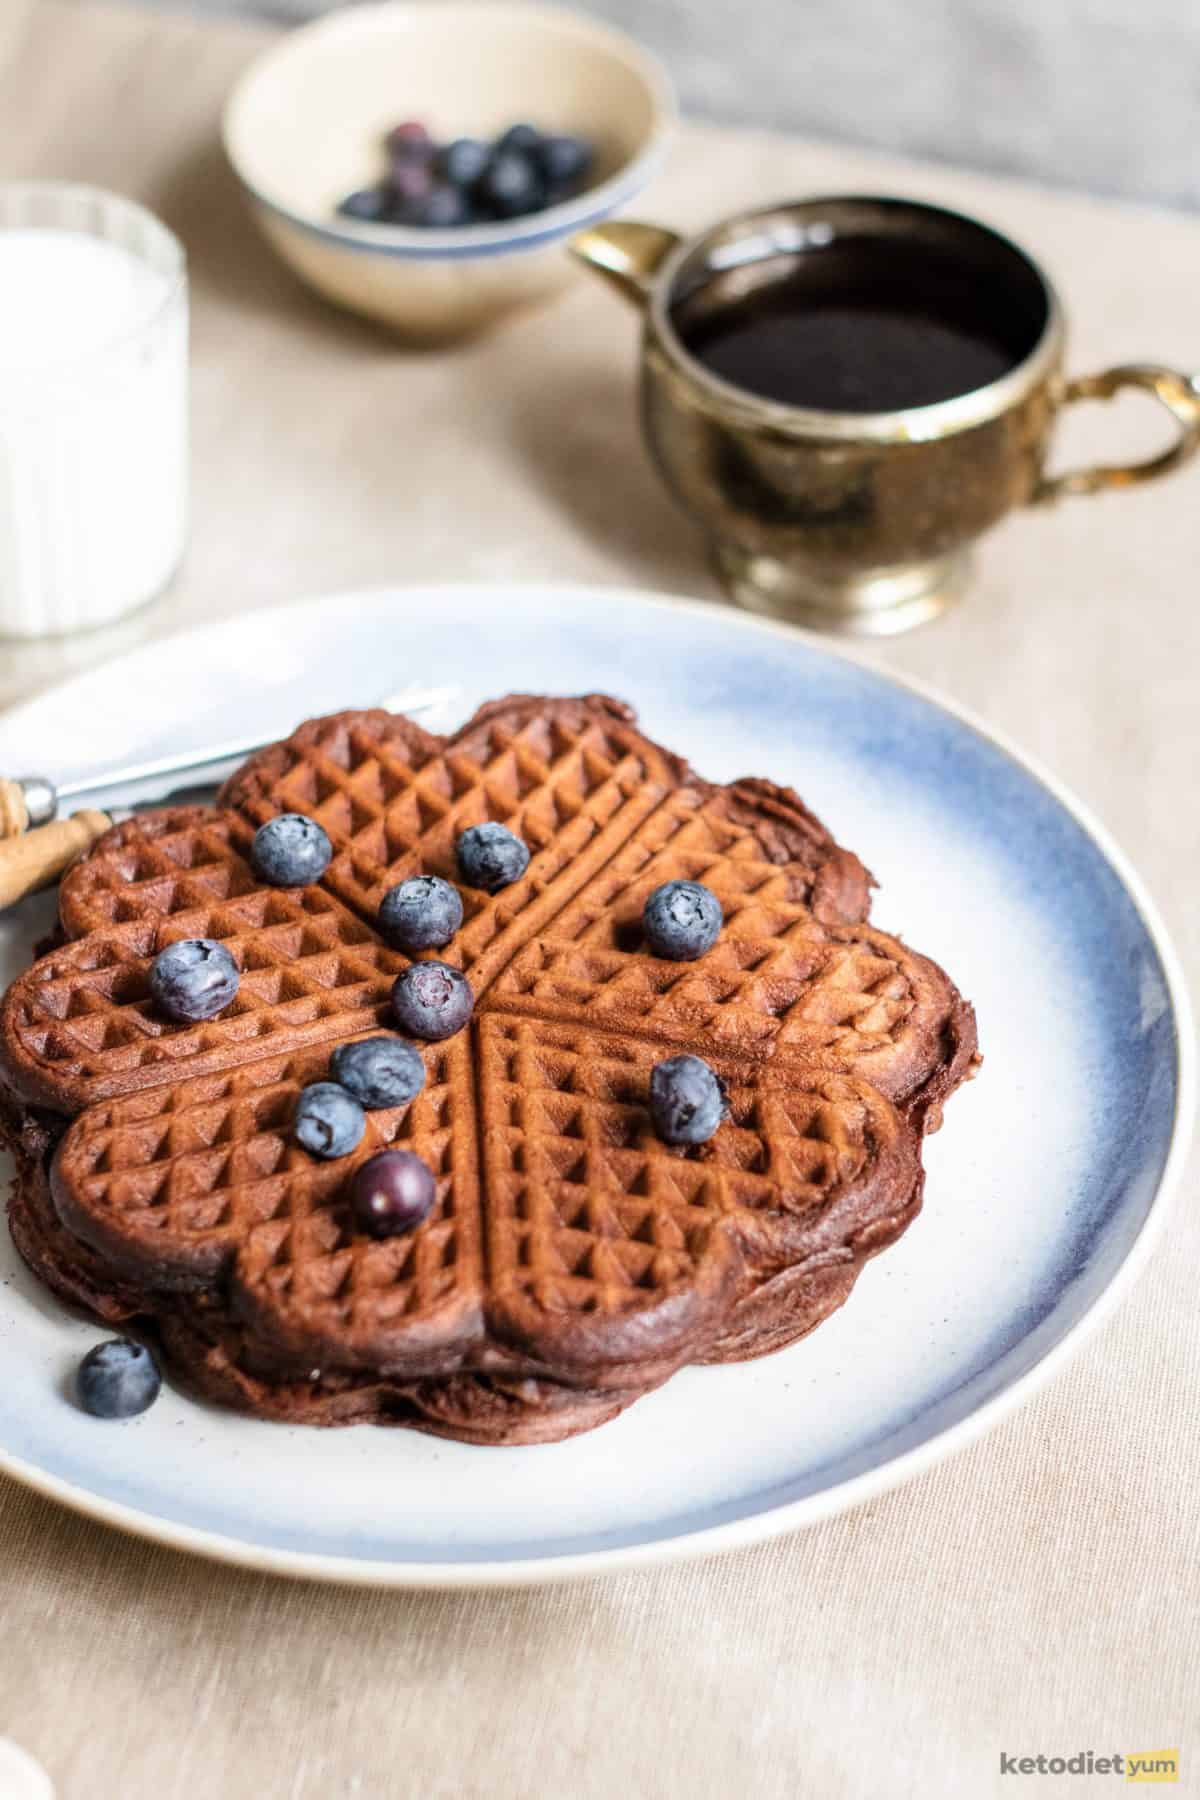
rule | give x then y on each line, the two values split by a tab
556	1203
775	974
205	1171
309	970
588	1210
177	861
392	808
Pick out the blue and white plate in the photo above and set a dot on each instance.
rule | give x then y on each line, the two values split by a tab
1044	1186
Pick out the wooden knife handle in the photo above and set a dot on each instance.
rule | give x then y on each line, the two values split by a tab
14	816
39	857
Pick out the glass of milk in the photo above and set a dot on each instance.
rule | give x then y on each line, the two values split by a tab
93	407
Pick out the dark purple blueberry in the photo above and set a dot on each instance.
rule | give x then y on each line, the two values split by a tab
410	185
463	162
369	205
291	850
379	1071
511	185
117	1380
524	138
682	920
193	979
687	1100
409	142
392	1192
411	181
329	1122
565	162
422	913
432	1001
490	857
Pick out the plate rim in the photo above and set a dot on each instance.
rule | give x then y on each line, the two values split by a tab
754	1527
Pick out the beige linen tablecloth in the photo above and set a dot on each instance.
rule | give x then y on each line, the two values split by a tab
1038	1594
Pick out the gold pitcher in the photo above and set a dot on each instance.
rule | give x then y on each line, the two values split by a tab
854	521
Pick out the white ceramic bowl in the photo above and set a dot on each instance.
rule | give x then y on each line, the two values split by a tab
304	127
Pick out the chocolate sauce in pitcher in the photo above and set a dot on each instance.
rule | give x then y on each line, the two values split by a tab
863	325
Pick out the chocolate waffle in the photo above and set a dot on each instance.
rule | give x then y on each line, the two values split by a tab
571	1261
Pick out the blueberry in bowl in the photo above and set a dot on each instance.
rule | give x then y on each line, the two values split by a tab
471	181
332	132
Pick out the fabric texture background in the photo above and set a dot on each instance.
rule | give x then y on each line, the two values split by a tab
1039	1593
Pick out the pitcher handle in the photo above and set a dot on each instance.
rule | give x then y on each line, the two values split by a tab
1178	393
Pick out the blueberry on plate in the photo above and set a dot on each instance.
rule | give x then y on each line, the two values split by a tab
682	920
524	138
564	161
422	913
117	1380
432	1001
491	857
329	1122
511	185
368	205
463	162
687	1100
379	1071
193	979
290	850
392	1192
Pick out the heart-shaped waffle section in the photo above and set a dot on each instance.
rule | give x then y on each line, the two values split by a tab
598	1254
567	1244
80	1025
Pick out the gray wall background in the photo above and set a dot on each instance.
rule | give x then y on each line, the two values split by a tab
1095	94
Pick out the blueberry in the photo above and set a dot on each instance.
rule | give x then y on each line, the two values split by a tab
681	920
524	138
117	1380
379	1071
422	913
329	1122
490	857
410	184
193	979
368	204
687	1100
409	142
290	851
432	1000
463	162
409	187
511	185
392	1192
445	207
564	161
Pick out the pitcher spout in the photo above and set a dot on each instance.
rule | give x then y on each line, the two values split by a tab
626	254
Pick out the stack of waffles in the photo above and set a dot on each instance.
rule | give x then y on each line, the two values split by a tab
572	1260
